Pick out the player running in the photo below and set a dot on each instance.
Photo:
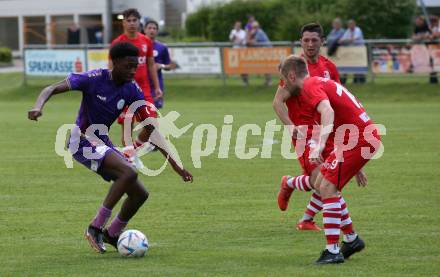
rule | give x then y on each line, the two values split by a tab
311	42
105	93
161	58
338	110
131	25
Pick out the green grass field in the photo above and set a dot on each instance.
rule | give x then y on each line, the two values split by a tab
227	221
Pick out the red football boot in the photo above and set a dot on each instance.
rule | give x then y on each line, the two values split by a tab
284	194
307	225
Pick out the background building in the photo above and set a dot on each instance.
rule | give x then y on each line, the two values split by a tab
57	22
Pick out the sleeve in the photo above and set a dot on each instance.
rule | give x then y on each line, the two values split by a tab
358	34
149	48
315	94
166	55
334	74
142	113
137	95
79	81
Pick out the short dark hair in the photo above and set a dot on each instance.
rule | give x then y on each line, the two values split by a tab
294	63
151	21
131	12
123	49
313	28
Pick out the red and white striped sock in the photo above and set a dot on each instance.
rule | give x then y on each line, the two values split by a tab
331	218
137	143
346	223
314	206
300	182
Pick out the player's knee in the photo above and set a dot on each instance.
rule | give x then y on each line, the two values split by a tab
130	175
144	196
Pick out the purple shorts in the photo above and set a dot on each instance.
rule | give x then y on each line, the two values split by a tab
91	155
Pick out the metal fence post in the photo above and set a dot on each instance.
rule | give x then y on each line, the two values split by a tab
24	68
86	57
223	66
370	60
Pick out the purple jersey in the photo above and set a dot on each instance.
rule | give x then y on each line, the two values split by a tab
162	56
102	100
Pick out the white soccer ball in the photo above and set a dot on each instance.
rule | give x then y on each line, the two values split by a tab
132	243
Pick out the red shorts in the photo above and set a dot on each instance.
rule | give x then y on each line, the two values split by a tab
303	159
339	173
151	109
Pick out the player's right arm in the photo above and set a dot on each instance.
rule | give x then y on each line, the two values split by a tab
44	96
334	73
279	106
327	119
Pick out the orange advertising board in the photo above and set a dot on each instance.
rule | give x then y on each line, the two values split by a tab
257	60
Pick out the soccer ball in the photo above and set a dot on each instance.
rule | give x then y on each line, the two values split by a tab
132	243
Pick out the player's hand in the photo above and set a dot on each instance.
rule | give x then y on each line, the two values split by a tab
34	114
159	94
293	131
186	176
173	65
361	178
315	156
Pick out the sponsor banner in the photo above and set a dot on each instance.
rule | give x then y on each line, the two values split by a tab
54	62
196	60
391	58
400	58
97	58
348	59
256	60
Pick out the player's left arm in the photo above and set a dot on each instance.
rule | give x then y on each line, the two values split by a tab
361	178
168	64
153	74
44	96
156	138
327	119
279	106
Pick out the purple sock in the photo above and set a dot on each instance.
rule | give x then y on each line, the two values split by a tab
116	227
101	218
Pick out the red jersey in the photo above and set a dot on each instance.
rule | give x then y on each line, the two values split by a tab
347	109
324	68
145	47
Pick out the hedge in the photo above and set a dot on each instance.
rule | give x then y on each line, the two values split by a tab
5	55
282	20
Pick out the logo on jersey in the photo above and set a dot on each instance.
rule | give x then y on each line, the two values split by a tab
144	47
326	74
141	60
120	104
155	53
102	98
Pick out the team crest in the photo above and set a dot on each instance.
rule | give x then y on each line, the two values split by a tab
144	47
326	74
155	53
120	104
